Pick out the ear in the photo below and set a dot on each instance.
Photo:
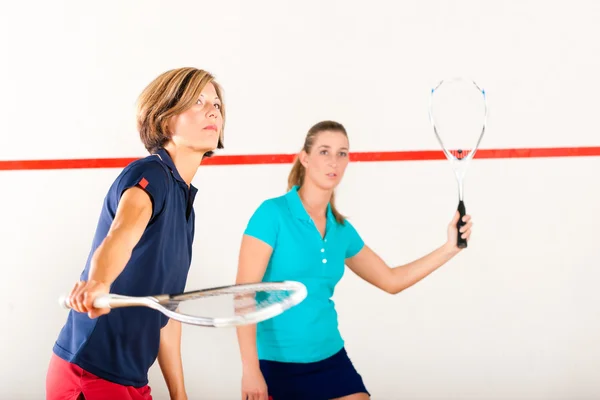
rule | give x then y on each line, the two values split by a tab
303	157
170	122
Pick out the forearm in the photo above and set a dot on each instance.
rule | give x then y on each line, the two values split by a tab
131	219
253	259
169	359
407	275
247	344
109	260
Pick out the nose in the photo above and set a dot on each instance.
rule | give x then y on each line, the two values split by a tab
212	111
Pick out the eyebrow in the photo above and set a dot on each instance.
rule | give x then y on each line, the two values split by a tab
324	146
215	98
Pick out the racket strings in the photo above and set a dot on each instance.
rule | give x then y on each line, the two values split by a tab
252	302
234	290
231	302
458	114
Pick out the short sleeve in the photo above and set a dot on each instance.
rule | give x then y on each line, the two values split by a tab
149	176
264	223
355	242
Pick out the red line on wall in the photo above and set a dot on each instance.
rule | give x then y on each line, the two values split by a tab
249	159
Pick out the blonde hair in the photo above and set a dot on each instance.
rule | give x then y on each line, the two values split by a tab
171	93
297	174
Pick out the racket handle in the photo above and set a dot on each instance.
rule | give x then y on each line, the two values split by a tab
63	302
102	301
461	243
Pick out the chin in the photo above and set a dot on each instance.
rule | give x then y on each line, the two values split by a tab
329	185
204	146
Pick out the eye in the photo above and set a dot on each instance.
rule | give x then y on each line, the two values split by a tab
323	152
199	101
343	154
218	106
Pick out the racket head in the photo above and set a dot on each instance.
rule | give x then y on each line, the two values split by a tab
234	305
458	115
220	307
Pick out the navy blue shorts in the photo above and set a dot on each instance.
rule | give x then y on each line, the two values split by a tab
322	380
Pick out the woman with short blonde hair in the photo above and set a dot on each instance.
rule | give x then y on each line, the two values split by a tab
142	247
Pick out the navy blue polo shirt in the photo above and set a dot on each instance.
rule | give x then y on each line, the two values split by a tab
122	346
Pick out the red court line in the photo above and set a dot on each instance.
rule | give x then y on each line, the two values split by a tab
249	159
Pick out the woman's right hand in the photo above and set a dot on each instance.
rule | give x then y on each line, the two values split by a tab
81	298
254	386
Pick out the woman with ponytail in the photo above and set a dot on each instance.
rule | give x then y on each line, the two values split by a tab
302	236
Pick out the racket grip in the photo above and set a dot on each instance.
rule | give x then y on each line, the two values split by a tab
102	301
63	302
460	242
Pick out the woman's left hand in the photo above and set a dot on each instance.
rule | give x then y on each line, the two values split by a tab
453	233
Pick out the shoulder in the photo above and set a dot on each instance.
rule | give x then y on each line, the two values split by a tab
347	225
272	208
266	220
149	174
151	165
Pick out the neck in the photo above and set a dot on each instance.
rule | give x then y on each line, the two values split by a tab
314	199
186	161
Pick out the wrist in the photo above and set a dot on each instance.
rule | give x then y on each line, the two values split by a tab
250	366
99	275
450	249
102	283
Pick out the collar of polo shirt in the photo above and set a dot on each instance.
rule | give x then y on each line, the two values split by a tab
297	208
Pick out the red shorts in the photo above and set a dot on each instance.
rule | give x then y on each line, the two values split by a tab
66	381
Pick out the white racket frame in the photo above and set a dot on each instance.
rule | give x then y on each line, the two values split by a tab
156	302
459	165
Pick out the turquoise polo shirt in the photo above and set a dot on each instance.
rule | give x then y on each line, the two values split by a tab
308	332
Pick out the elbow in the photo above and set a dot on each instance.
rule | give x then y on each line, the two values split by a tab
394	289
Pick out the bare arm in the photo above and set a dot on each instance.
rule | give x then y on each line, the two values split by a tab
169	359
132	217
370	267
109	259
253	259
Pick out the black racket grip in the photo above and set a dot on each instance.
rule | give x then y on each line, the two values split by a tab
461	243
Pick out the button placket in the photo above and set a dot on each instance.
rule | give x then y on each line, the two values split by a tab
323	249
322	241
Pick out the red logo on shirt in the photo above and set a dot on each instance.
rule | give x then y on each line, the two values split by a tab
143	183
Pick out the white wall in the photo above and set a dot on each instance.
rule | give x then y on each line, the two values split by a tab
513	317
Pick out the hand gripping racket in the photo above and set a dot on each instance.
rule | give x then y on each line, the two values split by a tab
458	114
218	307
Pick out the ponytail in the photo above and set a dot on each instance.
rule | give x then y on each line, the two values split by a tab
338	217
296	176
